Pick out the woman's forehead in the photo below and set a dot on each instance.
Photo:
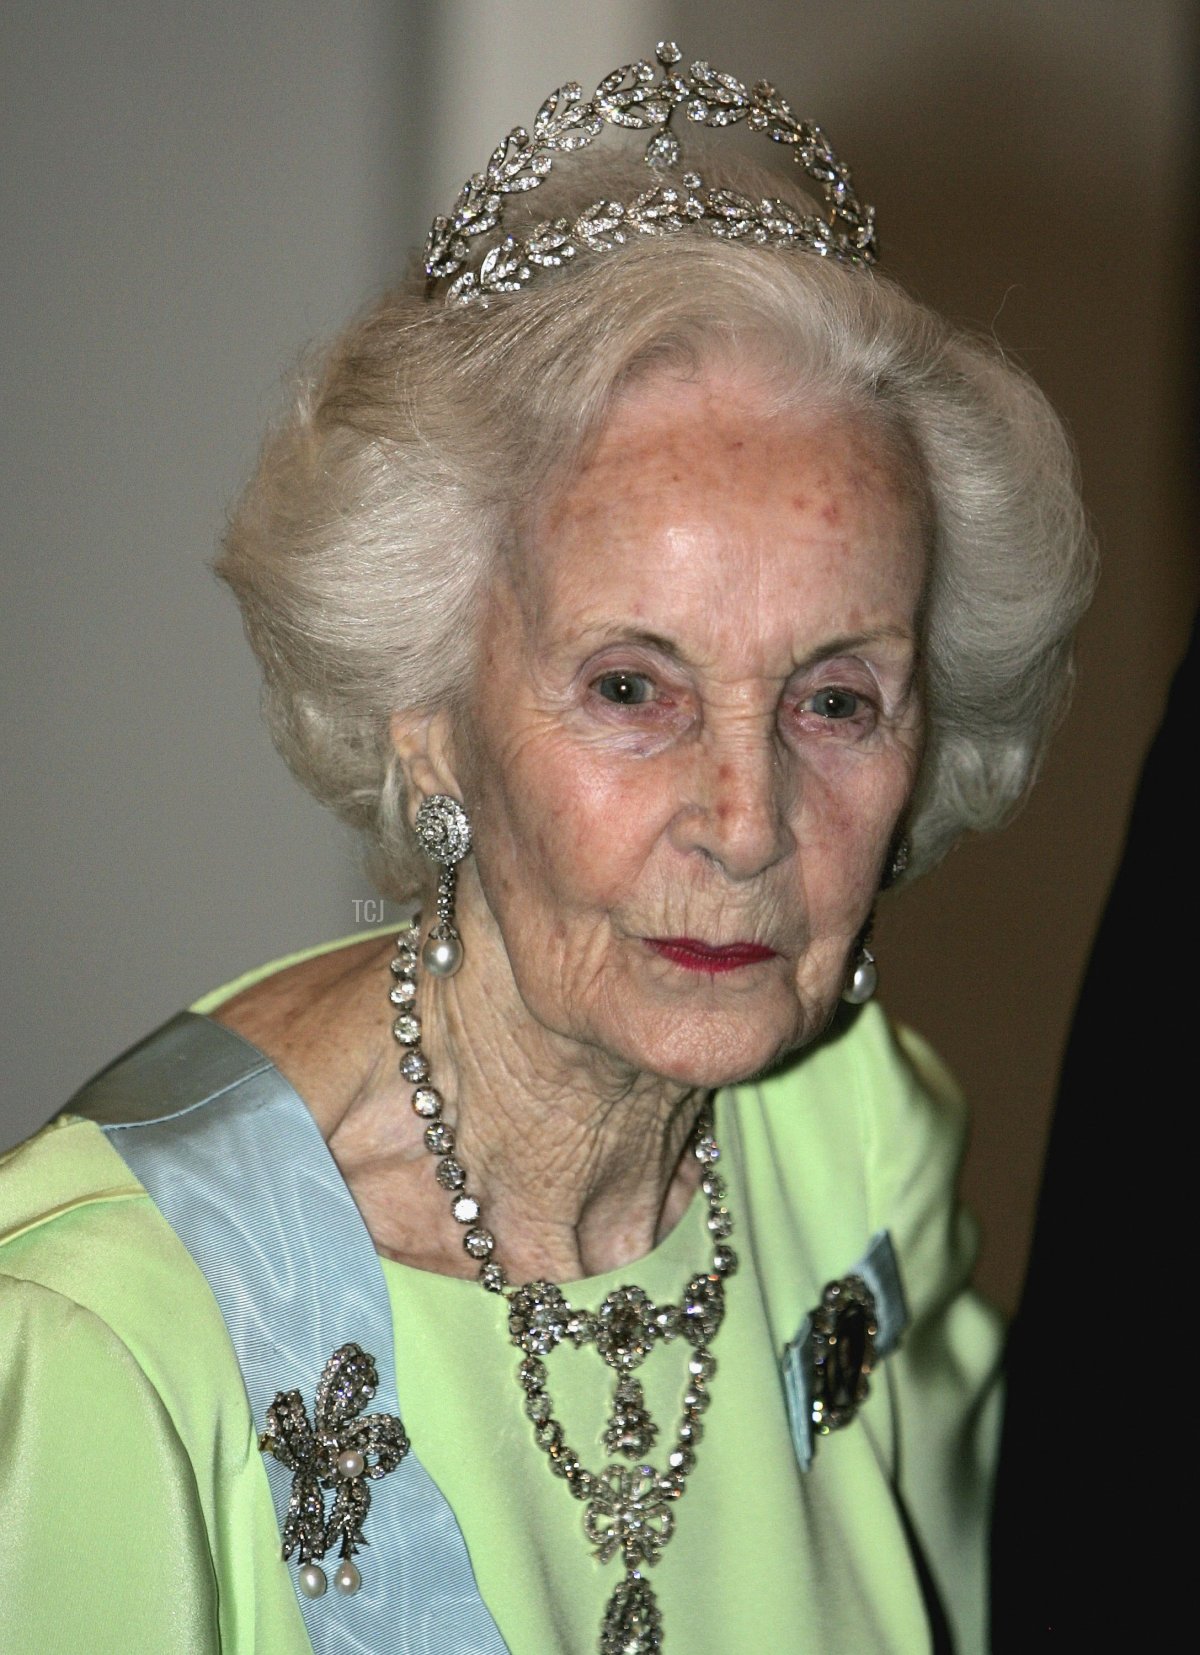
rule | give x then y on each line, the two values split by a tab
716	439
694	498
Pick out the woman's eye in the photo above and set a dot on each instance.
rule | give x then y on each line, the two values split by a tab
625	689
834	703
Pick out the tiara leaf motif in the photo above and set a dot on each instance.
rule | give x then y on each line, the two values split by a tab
642	97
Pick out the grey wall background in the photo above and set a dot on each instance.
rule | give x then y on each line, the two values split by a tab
190	195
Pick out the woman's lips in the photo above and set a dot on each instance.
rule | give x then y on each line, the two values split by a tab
702	956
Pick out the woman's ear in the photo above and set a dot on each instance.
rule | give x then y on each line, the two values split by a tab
423	745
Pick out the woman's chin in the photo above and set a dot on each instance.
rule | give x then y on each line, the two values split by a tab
708	1052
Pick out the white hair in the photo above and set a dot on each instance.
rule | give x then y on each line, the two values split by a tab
412	450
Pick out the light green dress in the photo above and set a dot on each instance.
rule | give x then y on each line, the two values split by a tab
137	1515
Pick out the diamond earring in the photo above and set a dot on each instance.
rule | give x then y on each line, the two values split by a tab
897	864
444	832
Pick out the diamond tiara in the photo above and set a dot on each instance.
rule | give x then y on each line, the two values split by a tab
646	98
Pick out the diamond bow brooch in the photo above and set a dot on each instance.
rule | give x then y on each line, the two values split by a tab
340	1452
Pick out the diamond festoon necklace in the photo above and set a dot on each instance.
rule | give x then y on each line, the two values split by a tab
628	1505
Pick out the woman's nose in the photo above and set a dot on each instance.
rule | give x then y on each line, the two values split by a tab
736	812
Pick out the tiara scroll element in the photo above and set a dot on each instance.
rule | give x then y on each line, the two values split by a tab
645	98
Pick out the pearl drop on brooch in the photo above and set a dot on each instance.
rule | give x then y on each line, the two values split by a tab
347	1579
442	956
350	1464
312	1580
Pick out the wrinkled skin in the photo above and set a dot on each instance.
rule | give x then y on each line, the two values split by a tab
695	714
733	570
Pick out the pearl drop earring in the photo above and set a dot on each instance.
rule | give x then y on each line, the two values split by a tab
444	832
864	979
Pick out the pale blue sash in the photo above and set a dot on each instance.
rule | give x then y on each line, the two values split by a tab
254	1195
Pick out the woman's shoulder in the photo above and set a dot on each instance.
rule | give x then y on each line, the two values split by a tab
872	1076
298	977
80	1242
873	1127
49	1182
309	1013
80	1235
100	1298
120	1393
87	1438
69	1203
104	1290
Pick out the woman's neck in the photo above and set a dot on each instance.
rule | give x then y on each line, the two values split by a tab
578	1167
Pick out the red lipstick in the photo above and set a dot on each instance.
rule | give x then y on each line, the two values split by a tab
702	956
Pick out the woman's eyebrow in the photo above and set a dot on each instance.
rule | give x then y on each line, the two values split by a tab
610	632
857	640
606	633
615	632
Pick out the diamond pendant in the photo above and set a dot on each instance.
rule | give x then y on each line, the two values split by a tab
630	1429
632	1621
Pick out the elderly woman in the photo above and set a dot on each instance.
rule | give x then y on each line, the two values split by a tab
652	583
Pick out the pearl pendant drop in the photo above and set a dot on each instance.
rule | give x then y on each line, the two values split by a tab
347	1579
442	956
312	1580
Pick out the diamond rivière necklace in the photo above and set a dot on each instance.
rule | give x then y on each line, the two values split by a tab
628	1509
